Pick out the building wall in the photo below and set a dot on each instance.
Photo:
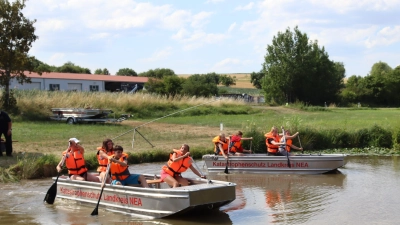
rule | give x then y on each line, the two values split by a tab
61	84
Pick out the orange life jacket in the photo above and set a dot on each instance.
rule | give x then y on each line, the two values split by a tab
75	162
236	147
225	144
103	162
288	144
271	147
176	168
119	172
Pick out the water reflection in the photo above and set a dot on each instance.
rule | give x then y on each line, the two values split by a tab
283	198
364	193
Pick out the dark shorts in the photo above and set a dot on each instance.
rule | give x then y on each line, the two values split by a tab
84	175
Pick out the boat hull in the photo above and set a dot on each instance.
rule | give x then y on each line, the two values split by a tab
262	163
150	202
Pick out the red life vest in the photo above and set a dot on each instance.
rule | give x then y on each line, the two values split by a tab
271	147
176	168
119	172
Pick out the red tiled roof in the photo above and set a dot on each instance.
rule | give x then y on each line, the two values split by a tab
78	76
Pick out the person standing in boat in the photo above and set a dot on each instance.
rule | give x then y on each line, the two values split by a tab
103	152
75	162
221	145
273	142
235	144
179	161
119	170
284	150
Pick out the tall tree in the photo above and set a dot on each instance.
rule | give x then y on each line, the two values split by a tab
70	67
296	69
227	80
256	79
17	34
158	73
126	72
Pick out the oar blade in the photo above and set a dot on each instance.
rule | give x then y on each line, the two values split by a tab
226	168
95	211
51	194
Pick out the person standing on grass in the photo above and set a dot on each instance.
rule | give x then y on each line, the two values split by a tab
119	170
6	130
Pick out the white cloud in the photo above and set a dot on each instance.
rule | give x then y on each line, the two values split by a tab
51	25
56	59
227	65
200	19
159	55
200	38
384	37
343	6
245	7
232	27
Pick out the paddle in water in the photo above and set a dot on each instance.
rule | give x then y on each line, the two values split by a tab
96	210
52	192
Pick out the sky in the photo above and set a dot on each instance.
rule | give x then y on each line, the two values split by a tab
203	36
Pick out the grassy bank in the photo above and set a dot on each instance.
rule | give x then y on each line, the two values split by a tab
345	130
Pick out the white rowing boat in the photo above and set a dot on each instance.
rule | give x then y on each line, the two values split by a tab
262	163
156	202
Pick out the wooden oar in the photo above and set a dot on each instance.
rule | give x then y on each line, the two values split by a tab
298	136
95	211
284	147
227	157
52	192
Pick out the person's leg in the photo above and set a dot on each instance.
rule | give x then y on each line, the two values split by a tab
143	181
92	178
171	181
76	177
8	144
2	145
182	181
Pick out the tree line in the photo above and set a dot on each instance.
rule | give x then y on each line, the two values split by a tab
294	69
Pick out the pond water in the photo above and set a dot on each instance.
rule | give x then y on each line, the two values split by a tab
365	191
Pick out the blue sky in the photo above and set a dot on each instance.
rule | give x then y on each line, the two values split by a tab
202	36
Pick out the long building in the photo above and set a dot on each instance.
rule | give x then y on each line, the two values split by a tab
80	82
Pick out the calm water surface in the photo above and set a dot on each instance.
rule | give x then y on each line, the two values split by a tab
366	191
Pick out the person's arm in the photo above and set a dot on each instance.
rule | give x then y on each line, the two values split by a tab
296	148
277	143
222	151
9	128
293	136
196	172
122	163
250	138
60	164
175	159
102	154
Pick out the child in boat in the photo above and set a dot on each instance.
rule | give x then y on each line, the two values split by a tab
235	144
119	170
75	162
286	150
103	152
221	145
179	161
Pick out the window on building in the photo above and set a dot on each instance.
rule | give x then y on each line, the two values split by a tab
94	87
54	87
